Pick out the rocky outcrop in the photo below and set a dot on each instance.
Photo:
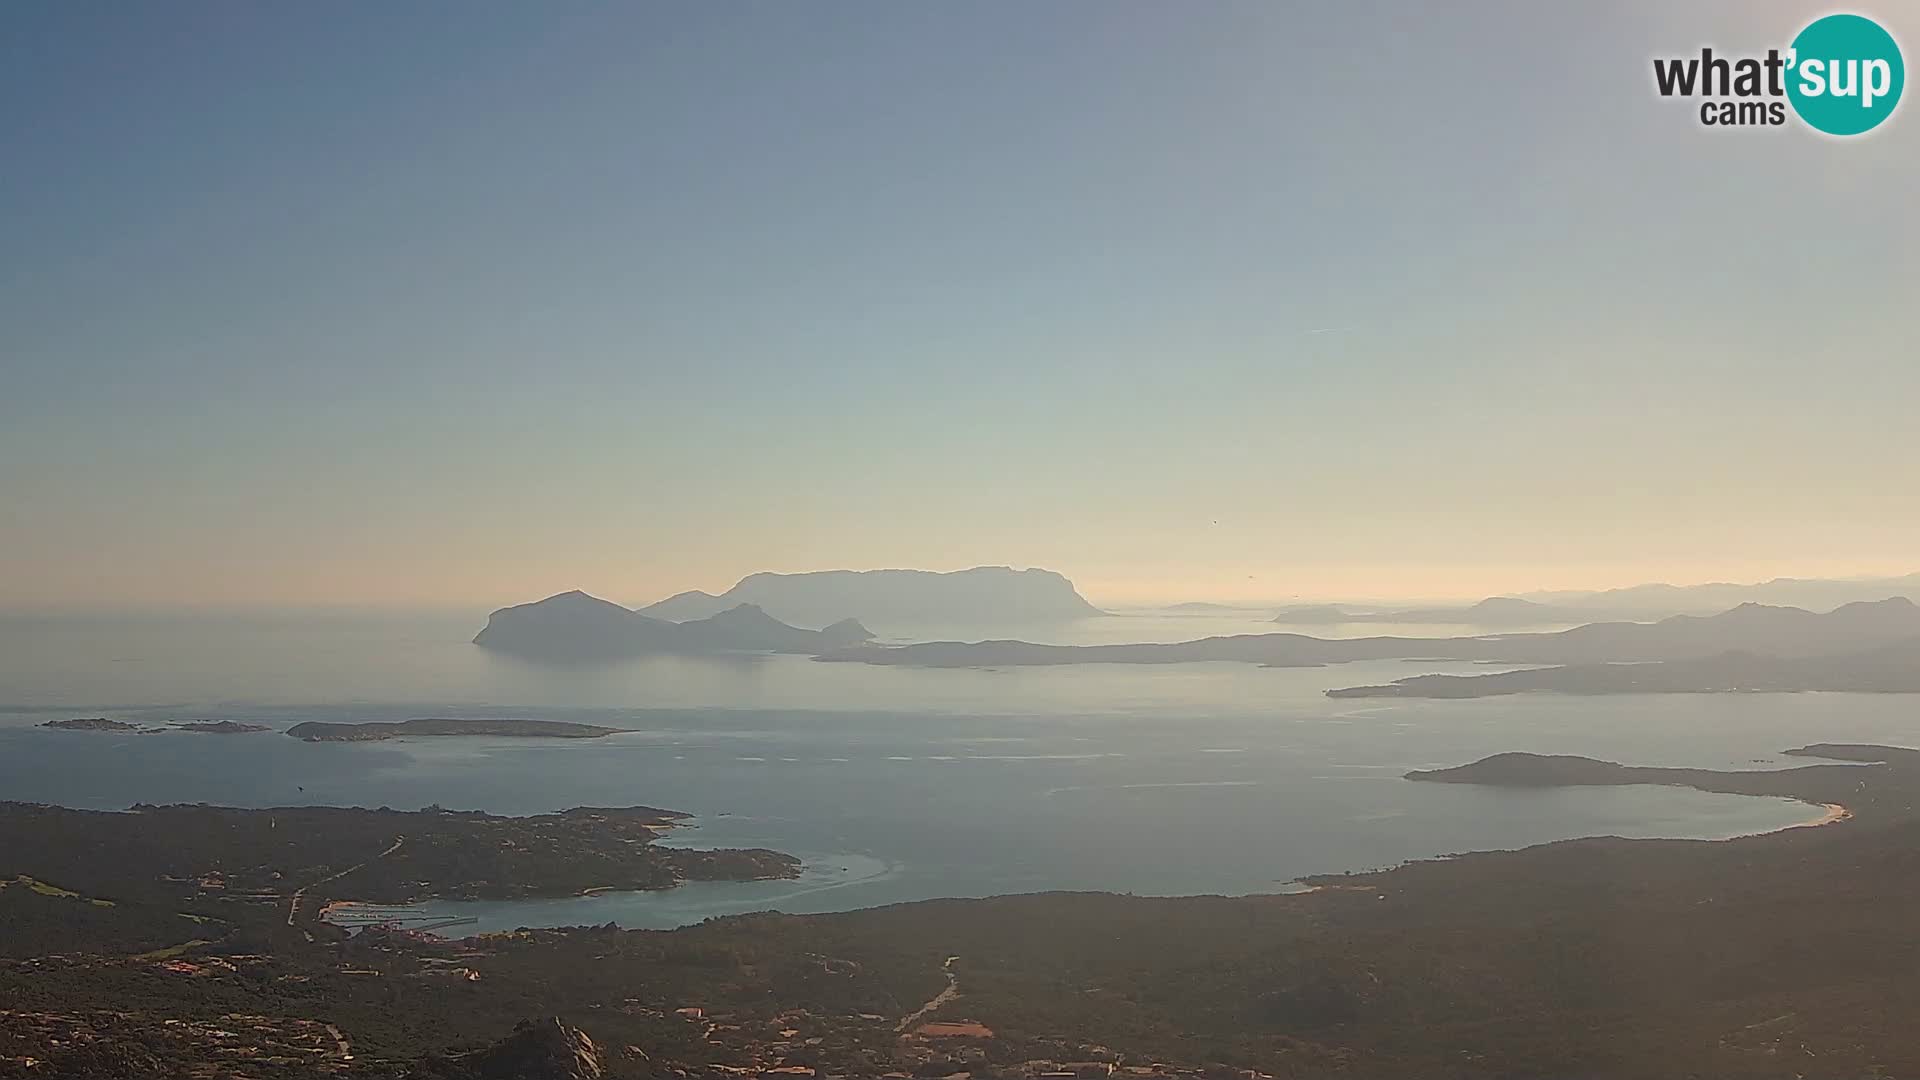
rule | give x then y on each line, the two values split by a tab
537	1050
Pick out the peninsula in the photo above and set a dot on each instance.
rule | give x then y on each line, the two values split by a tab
1825	784
207	857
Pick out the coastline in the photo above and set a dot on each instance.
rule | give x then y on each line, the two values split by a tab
1831	813
434	908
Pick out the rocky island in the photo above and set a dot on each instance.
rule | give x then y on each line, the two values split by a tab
220	727
375	730
91	723
208	727
574	627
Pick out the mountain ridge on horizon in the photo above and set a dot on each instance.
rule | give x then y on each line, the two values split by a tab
1706	597
1645	601
1492	611
1892	668
1759	628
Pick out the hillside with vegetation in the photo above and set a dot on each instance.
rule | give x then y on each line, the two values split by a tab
1596	958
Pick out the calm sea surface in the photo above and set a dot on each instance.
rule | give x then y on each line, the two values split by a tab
892	784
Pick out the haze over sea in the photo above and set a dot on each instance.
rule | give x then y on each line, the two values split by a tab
893	784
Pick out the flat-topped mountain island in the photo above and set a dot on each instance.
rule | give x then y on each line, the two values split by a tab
983	595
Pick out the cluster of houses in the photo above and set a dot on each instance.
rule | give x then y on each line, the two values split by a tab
260	1046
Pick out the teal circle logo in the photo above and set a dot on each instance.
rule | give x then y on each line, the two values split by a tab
1845	74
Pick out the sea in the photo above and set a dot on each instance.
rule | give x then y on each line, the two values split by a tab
891	784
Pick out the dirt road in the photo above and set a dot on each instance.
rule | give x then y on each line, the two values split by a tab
293	902
952	991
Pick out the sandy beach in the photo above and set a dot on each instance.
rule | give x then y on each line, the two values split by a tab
1831	812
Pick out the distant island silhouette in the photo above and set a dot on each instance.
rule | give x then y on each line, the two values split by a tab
574	626
1493	611
204	727
1777	632
1206	607
984	594
378	730
1638	603
220	727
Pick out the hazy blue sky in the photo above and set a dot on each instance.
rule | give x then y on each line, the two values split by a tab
463	303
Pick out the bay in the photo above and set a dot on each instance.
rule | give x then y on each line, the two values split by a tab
892	784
